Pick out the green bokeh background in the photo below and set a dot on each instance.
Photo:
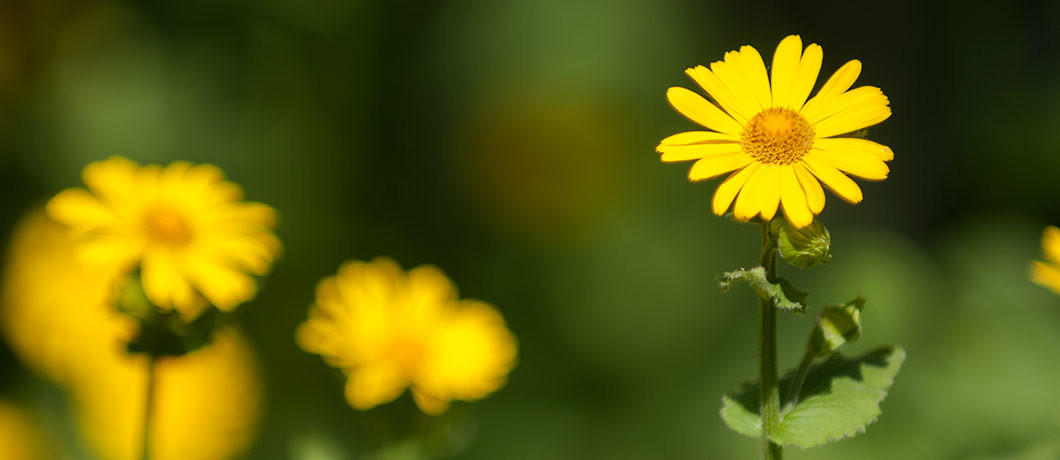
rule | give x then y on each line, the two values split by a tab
512	144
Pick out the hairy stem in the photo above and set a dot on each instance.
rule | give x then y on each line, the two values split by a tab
767	354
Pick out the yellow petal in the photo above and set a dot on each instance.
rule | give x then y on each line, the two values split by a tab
750	197
162	281
863	166
716	165
224	286
371	385
111	179
697	109
854	144
842	79
110	252
732	77
770	192
470	355
838	83
698	137
852	120
793	198
728	189
855	109
721	93
814	192
754	73
672	153
1051	243
430	405
80	210
1046	275
785	69
809	67
836	181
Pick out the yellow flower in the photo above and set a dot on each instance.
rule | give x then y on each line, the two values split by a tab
208	402
1048	273
183	225
50	329
775	143
388	330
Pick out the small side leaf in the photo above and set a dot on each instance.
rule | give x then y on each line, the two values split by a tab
839	399
783	294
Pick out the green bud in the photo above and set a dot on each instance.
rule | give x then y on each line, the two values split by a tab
805	247
837	326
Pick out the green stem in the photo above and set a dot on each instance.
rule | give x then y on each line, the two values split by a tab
149	407
800	377
767	354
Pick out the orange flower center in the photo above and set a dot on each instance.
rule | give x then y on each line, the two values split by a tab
777	136
165	225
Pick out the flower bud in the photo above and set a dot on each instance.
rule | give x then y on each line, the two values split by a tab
805	247
837	326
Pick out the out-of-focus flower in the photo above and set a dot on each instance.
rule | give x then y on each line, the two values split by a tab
388	330
778	146
57	320
1047	273
20	437
186	228
53	310
207	403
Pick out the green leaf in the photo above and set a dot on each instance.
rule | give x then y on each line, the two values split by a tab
839	398
783	294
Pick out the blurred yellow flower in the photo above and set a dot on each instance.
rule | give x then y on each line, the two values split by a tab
183	225
1048	273
51	329
20	437
388	330
207	402
778	146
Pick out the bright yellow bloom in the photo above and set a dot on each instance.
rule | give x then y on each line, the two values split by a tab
53	310
1048	273
20	437
775	143
207	403
55	316
183	225
388	330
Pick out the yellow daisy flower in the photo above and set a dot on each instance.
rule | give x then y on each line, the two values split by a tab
778	146
186	228
207	403
1048	273
388	330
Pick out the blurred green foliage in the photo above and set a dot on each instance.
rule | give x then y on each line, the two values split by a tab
511	143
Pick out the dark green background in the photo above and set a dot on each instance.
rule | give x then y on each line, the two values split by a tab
512	144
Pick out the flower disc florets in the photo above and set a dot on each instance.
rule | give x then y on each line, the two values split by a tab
777	136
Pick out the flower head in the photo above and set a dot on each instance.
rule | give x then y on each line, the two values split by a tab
55	316
187	229
388	330
776	146
1047	273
